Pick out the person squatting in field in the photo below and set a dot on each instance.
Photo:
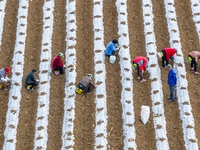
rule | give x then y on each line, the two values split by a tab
140	65
31	81
86	84
172	82
166	54
4	80
57	63
111	48
192	58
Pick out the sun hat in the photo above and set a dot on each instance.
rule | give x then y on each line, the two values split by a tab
160	54
61	54
168	66
7	69
89	75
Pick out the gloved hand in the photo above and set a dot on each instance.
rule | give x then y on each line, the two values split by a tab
172	58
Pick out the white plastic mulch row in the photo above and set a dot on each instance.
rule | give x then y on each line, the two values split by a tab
2	15
182	83
12	117
41	136
69	101
195	6
100	75
127	77
155	76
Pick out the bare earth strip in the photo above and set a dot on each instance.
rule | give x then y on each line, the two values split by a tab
6	54
113	78
26	128
174	129
57	82
145	134
85	106
190	42
186	115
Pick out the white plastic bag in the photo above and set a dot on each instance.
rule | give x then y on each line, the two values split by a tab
145	113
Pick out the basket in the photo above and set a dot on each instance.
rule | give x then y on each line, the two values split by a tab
79	91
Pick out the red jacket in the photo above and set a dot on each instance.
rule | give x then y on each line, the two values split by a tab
142	62
169	52
56	62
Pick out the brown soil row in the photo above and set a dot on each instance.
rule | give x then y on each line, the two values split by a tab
85	106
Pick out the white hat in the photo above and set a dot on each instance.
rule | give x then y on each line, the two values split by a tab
61	54
159	55
168	66
89	75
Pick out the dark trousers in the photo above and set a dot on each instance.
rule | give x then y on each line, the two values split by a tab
32	84
60	68
113	53
164	61
80	86
193	63
88	88
140	74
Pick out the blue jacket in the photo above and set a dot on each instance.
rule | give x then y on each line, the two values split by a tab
110	48
172	77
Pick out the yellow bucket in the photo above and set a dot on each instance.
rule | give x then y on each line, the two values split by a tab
0	85
79	91
189	59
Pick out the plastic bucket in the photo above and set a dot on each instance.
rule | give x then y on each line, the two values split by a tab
78	91
112	59
57	72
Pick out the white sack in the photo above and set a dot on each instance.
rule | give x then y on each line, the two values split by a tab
145	113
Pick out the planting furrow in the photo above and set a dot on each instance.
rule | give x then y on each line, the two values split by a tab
126	77
182	84
17	73
195	6
155	76
100	74
41	136
2	15
69	100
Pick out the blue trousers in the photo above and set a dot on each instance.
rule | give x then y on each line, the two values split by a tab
171	88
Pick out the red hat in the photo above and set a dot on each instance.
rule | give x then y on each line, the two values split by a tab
7	69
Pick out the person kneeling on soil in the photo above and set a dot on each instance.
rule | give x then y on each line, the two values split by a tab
4	80
140	65
57	63
86	84
111	48
31	81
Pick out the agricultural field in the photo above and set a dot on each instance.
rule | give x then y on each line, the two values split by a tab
54	117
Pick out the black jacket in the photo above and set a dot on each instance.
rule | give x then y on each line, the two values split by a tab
30	78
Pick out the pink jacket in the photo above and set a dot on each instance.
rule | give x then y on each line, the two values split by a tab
142	62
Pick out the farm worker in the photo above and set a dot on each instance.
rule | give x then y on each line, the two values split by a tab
4	80
31	81
172	82
166	54
140	65
86	84
192	58
111	48
57	63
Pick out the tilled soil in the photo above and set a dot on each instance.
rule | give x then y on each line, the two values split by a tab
85	106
